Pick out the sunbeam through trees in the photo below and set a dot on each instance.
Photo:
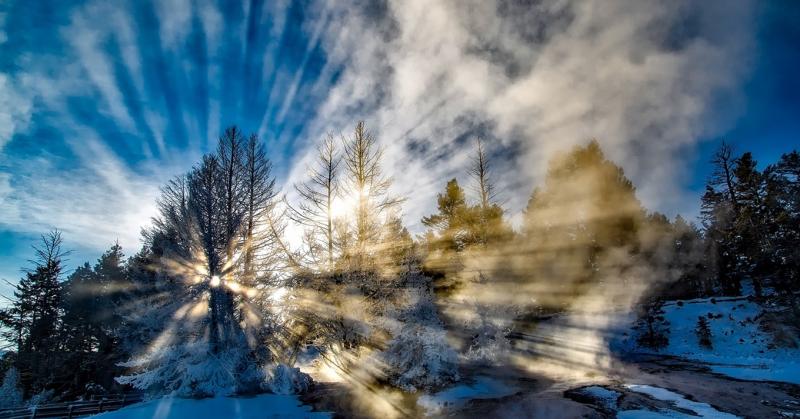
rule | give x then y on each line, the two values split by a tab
220	301
399	209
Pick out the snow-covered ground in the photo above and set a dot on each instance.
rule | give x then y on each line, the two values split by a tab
702	410
676	406
604	397
740	348
262	406
458	395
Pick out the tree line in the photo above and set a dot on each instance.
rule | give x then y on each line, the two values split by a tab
217	296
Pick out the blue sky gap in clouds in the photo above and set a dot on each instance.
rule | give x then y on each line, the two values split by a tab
147	86
101	102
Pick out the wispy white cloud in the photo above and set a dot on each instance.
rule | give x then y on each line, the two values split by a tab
641	77
428	77
15	109
93	195
94	204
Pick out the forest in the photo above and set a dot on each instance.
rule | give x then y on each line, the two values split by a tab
221	301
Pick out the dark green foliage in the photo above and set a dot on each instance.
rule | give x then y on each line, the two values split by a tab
703	332
451	223
92	321
751	221
653	327
33	321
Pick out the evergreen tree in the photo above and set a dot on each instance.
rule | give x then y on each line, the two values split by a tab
783	209
34	319
750	228
653	327
397	249
450	222
703	332
720	210
689	258
582	227
110	274
80	329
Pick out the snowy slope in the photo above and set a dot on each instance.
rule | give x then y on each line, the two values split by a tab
740	348
265	405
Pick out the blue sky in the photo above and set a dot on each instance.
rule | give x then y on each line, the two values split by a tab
101	102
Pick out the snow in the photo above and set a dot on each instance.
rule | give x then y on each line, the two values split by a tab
265	405
608	398
649	414
419	356
283	379
740	349
457	396
702	410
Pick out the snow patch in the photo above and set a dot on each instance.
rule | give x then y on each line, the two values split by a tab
266	405
702	410
283	379
457	396
603	396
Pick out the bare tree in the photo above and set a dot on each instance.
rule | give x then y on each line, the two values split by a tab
208	205
259	197
490	224
232	191
317	194
368	185
722	175
482	175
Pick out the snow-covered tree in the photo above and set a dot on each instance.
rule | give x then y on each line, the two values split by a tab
418	356
10	392
212	247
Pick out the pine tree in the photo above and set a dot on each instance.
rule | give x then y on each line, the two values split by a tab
80	330
703	332
751	225
722	176
783	209
720	211
449	222
653	327
110	279
33	321
689	258
578	224
397	250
